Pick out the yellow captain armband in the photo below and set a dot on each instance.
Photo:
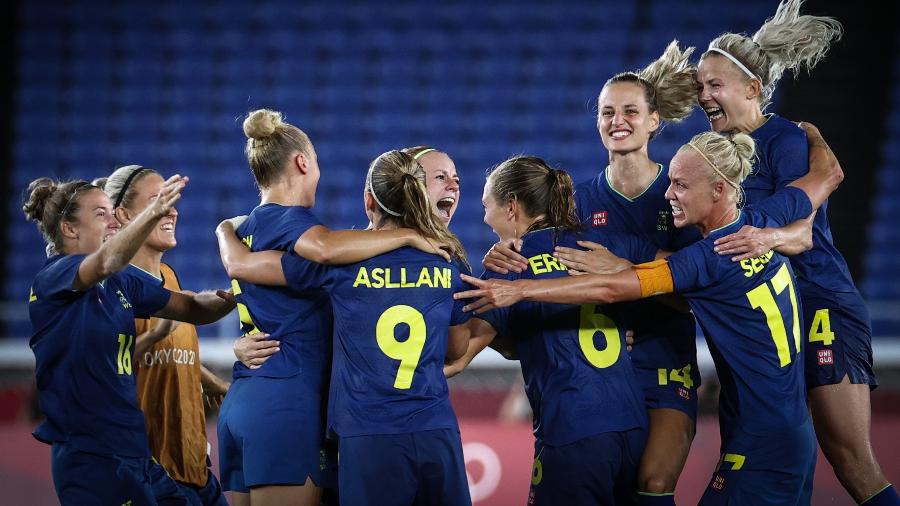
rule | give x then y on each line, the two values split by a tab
655	277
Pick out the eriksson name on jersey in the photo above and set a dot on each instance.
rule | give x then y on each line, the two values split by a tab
399	277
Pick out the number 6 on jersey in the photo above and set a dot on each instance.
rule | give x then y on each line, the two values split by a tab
407	352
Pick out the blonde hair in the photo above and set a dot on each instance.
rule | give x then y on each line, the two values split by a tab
669	84
539	189
730	159
270	144
52	202
785	41
120	185
397	183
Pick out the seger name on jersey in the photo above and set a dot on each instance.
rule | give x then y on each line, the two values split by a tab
752	266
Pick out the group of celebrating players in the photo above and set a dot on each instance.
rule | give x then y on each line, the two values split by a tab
349	335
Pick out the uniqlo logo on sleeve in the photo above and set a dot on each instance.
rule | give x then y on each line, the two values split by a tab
825	357
599	219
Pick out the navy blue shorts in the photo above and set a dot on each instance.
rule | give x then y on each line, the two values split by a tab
86	478
670	388
416	468
596	470
210	494
838	340
272	432
165	489
775	469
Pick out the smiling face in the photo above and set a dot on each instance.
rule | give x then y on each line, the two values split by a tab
690	192
725	93
497	215
95	222
442	183
624	118
146	189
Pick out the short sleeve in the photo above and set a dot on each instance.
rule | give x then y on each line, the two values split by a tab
786	206
145	293
691	268
302	274
581	204
59	277
788	156
303	219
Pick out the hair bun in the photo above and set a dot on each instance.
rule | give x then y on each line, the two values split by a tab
39	193
262	123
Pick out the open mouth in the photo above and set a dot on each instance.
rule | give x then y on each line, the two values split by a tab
714	113
619	134
444	206
676	211
168	227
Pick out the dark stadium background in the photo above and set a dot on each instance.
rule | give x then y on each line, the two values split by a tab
94	85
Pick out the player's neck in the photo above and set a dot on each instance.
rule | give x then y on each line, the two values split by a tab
754	120
148	259
286	192
717	219
631	173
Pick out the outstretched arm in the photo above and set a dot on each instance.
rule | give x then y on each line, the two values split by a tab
199	309
335	247
590	288
752	242
116	253
824	176
261	268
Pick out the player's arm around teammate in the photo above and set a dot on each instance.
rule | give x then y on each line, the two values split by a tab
737	76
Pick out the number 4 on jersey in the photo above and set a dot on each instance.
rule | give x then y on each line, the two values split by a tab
820	330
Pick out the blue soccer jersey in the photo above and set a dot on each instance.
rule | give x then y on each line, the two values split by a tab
750	314
578	376
83	344
300	319
783	157
392	313
664	337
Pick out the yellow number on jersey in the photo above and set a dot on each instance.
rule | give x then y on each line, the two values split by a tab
762	298
592	322
407	352
124	357
243	312
682	376
820	330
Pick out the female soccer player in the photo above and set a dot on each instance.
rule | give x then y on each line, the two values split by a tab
388	394
738	75
590	424
442	184
628	197
285	462
171	380
441	179
748	311
82	306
